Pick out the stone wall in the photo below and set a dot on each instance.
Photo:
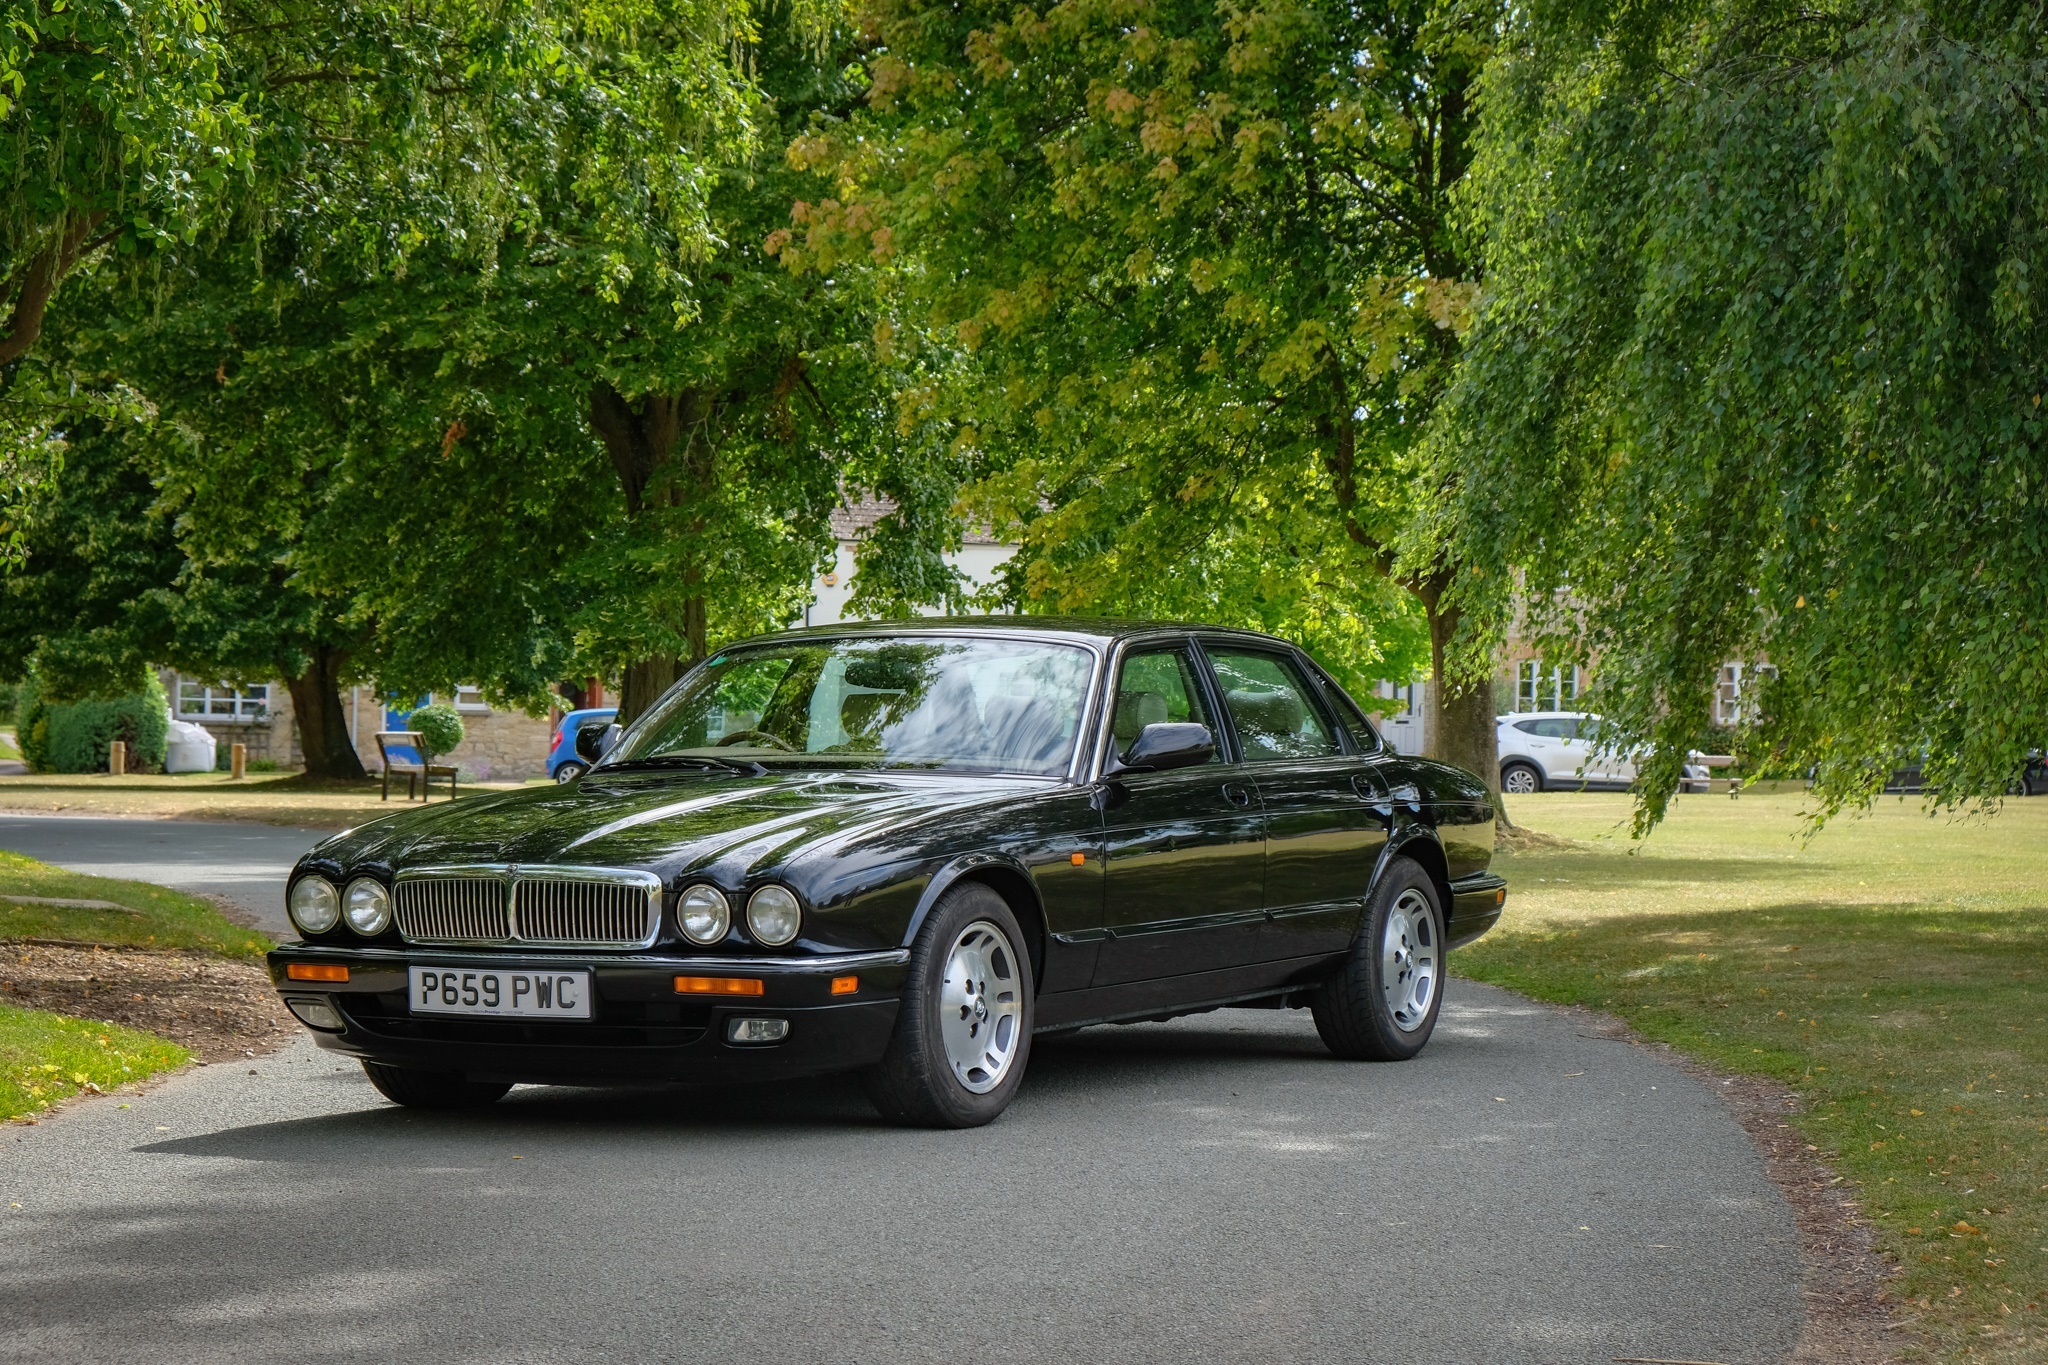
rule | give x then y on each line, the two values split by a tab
497	745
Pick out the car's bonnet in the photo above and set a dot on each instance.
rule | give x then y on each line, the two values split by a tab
737	827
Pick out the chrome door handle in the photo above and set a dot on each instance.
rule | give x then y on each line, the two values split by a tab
1237	794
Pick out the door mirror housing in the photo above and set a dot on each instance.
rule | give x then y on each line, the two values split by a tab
611	738
1165	745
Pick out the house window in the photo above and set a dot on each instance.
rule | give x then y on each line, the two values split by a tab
470	698
1541	689
1735	689
204	701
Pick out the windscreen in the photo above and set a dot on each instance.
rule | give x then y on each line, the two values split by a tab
913	702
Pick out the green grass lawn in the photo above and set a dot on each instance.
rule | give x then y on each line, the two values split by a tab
7	749
149	917
1892	970
45	1058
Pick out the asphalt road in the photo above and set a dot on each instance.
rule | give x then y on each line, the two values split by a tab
247	864
1213	1189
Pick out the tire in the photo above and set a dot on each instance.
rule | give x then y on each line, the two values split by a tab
432	1089
569	772
1520	779
963	1032
1382	1004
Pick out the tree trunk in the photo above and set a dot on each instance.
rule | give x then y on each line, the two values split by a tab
1461	710
642	437
321	719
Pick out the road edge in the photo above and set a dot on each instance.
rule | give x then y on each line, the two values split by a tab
1843	1277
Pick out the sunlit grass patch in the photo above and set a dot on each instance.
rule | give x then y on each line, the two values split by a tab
143	915
45	1058
1891	970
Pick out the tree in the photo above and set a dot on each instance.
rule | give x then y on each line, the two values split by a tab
1203	265
1759	375
119	128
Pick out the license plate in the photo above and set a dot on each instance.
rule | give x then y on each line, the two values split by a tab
499	993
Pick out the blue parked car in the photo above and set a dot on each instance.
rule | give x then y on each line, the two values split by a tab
574	747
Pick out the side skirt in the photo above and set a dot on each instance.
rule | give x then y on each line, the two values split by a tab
1166	997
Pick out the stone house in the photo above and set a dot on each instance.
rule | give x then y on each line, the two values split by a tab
499	745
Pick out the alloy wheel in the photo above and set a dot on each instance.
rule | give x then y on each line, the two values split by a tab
981	1003
1408	961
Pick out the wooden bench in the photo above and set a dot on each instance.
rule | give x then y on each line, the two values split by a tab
424	772
1731	785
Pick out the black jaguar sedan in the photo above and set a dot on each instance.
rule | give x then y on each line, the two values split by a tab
903	850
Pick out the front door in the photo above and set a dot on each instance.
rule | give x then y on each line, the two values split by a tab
1183	850
1324	831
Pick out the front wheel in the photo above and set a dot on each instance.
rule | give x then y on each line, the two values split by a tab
963	1032
1381	1005
1519	779
432	1089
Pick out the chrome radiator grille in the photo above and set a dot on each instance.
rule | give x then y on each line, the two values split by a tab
451	909
547	907
584	914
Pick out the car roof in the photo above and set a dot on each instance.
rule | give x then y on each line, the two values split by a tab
1512	716
1078	629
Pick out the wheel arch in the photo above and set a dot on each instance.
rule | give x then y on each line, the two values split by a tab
1006	877
1418	845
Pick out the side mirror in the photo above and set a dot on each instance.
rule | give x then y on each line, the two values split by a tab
1165	745
611	738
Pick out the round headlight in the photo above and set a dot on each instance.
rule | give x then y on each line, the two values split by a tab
704	914
314	904
773	916
368	906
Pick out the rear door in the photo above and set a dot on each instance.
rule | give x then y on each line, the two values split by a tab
1323	829
1183	850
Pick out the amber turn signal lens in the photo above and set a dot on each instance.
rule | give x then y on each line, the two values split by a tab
1077	859
720	985
1500	897
845	985
316	971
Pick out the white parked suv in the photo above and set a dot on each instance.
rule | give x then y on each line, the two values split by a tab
1540	750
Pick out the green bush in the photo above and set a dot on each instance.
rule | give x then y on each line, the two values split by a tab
7	695
440	728
73	737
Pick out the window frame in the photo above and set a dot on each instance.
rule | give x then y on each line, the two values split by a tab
1278	649
239	701
1198	671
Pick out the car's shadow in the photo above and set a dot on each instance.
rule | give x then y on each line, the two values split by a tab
1096	1067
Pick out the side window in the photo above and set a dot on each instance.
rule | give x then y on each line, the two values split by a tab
1154	688
1272	706
1353	719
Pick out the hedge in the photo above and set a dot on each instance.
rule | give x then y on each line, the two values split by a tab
73	737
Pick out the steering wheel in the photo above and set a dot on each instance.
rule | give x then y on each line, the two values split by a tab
738	735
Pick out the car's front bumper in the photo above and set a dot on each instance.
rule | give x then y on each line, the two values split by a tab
641	1030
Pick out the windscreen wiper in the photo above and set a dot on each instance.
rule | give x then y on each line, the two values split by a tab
744	767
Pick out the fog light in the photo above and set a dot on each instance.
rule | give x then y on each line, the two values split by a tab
315	1013
756	1031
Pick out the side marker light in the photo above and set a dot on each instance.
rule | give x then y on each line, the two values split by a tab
720	985
1500	897
845	985
316	971
1077	859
